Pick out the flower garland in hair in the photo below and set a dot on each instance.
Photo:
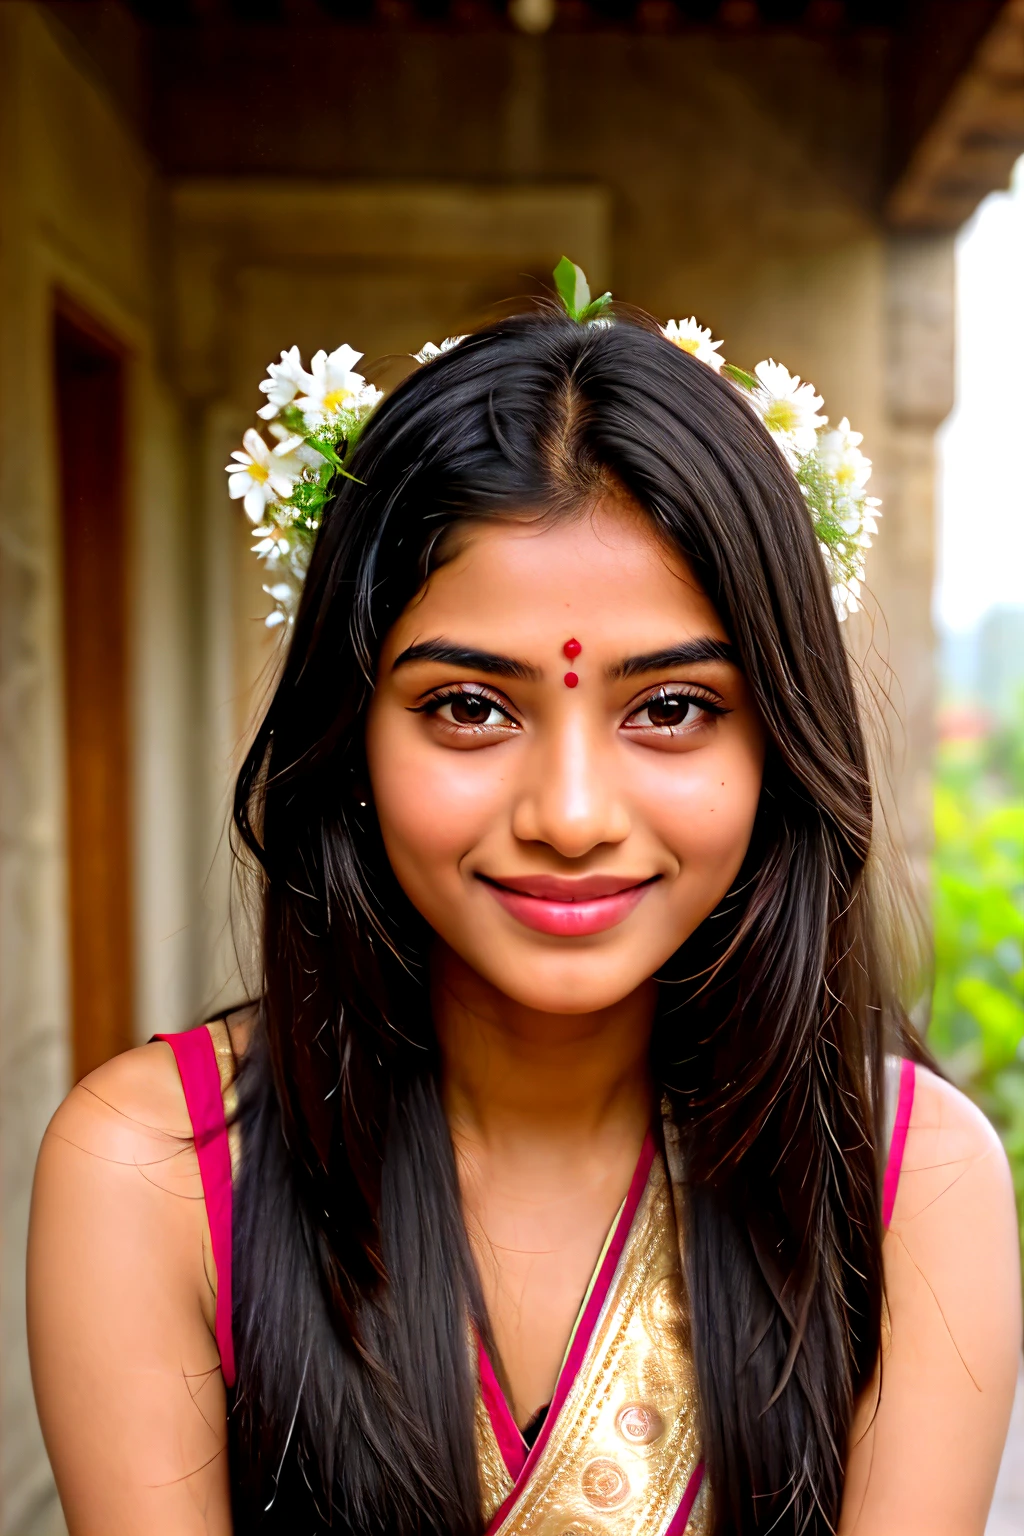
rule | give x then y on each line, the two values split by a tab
316	417
828	463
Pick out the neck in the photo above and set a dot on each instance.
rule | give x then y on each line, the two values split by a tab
513	1074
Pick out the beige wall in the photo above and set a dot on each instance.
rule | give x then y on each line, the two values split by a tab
79	210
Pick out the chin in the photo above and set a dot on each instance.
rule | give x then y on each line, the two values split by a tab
567	986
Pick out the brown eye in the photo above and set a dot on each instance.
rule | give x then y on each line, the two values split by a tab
468	710
668	709
471	709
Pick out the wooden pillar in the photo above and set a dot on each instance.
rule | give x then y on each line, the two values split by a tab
89	387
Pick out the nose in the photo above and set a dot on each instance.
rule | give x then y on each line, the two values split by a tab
571	797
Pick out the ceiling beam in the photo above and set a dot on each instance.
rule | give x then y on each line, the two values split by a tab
970	147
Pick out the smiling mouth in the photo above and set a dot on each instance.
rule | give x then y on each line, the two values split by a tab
569	908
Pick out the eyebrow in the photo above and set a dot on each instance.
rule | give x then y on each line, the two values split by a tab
466	656
685	655
688	654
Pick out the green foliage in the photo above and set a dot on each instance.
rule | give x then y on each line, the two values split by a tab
574	291
828	510
978	1008
334	443
739	376
309	498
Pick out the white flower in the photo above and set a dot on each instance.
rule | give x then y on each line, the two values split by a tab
260	475
689	336
282	384
787	407
285	598
334	388
292	445
270	543
869	521
839	453
281	592
846	597
430	349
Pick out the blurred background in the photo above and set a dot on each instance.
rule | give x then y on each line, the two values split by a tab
189	186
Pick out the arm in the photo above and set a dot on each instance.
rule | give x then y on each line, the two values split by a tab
120	1310
925	1450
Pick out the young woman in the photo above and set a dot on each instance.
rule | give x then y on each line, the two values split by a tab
584	1176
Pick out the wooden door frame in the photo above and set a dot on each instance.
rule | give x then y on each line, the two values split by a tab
90	378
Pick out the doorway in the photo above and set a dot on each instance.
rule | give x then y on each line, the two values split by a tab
89	378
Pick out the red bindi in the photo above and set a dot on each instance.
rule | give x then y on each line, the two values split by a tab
571	649
570	679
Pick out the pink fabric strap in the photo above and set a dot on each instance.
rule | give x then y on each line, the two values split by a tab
200	1079
677	1525
574	1359
904	1106
510	1442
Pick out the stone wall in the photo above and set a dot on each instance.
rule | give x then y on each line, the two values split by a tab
79	210
743	173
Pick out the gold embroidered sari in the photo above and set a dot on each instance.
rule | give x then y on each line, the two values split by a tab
618	1453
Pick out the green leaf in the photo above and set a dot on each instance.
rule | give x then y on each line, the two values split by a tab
739	376
325	450
293	419
309	496
572	288
595	308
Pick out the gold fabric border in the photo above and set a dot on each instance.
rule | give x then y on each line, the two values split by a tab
620	1456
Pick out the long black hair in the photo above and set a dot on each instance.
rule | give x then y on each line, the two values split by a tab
354	1286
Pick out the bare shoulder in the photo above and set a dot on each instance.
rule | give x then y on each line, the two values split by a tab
127	1112
133	1106
930	1430
952	1255
121	1307
121	1148
952	1158
944	1111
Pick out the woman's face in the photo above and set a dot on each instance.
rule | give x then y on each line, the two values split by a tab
563	840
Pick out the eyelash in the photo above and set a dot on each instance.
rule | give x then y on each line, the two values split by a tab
437	702
682	696
433	705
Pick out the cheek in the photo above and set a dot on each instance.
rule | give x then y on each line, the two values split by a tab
705	813
432	805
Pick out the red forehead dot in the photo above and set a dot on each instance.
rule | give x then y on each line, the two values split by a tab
571	649
571	679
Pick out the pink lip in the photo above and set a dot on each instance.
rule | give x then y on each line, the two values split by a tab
569	908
